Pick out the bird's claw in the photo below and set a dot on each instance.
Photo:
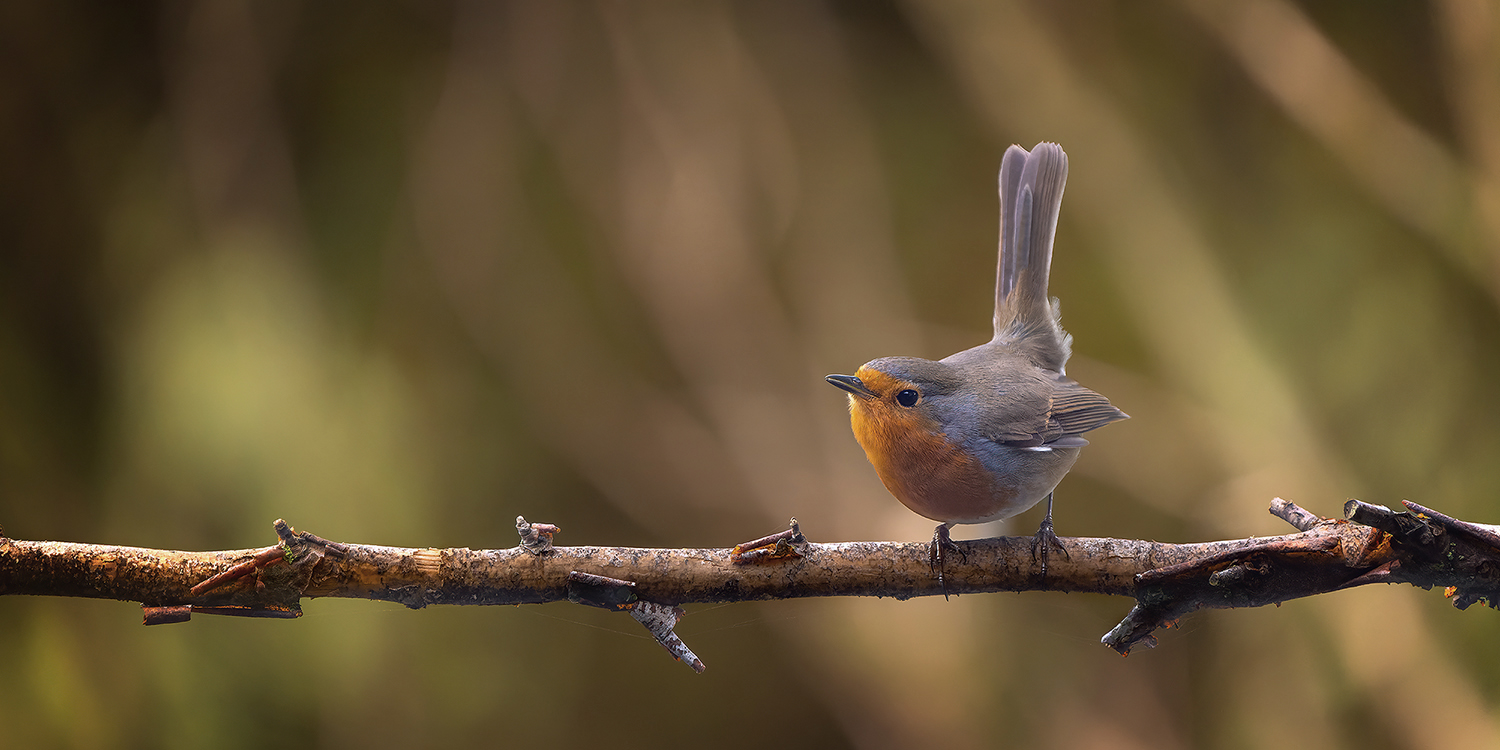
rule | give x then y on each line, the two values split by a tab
1045	537
942	541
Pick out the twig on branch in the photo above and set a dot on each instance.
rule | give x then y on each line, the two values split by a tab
1300	519
1421	547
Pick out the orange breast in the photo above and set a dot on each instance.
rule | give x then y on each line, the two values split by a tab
922	468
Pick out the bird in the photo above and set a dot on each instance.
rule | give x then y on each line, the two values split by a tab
988	432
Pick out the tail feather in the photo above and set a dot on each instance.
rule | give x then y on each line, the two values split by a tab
1010	187
1031	189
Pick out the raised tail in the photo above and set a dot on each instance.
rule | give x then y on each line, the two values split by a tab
1031	190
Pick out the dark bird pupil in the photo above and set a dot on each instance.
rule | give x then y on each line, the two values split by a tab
907	397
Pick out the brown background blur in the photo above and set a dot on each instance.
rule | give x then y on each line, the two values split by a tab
399	272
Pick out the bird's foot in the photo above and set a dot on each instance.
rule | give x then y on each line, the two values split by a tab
942	541
1045	538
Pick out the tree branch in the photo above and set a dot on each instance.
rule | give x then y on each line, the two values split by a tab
1420	547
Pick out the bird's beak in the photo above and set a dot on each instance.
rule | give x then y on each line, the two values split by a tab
853	385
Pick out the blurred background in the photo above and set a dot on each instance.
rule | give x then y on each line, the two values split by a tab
398	272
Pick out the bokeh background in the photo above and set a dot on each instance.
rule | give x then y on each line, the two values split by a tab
398	272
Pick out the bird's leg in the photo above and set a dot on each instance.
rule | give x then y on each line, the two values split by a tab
941	541
1045	538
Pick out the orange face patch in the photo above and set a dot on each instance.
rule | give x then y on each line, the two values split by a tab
914	458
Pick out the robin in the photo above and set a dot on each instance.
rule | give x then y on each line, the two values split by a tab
988	432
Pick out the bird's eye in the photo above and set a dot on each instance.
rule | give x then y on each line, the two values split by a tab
908	397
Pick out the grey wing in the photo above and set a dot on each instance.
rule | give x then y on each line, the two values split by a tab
1071	410
1076	410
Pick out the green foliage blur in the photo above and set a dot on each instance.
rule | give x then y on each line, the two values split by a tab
398	272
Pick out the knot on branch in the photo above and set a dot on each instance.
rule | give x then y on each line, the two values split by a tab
536	538
778	546
1243	574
